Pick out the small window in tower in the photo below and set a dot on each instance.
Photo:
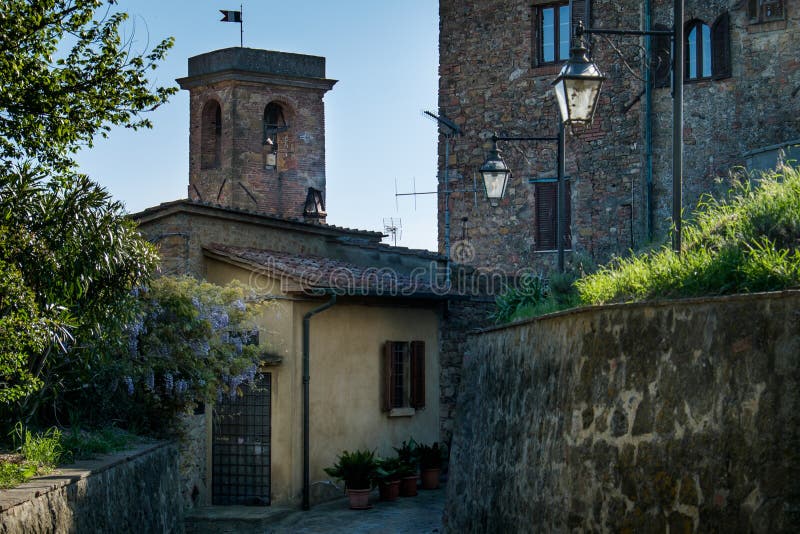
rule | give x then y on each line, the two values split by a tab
274	134
211	136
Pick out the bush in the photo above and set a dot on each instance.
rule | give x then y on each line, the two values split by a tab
188	343
747	242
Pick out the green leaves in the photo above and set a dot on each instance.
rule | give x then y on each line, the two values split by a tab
50	108
747	242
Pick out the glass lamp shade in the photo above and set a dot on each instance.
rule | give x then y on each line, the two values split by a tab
495	174
495	184
577	87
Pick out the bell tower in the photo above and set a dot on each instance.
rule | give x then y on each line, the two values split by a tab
257	131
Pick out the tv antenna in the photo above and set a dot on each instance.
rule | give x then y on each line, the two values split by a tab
393	227
449	129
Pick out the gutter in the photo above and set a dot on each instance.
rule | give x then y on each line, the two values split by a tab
306	379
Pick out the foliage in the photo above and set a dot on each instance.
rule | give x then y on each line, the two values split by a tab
535	295
407	452
358	469
390	469
22	332
187	343
82	444
69	256
67	76
43	449
38	454
747	242
76	257
430	456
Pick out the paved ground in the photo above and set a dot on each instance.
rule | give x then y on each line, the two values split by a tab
407	515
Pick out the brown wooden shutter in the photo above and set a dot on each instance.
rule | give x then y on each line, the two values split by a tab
388	367
417	374
662	58
546	202
721	47
545	199
578	10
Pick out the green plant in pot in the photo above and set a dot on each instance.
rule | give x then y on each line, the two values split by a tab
409	460
430	464
358	469
390	471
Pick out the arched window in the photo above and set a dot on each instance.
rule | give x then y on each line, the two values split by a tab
274	134
211	135
698	51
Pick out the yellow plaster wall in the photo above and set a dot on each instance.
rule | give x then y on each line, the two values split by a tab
345	389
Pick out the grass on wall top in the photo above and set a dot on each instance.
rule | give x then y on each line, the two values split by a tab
748	242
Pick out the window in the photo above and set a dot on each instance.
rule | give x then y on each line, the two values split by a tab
403	377
546	201
211	135
553	32
698	51
708	49
765	10
274	126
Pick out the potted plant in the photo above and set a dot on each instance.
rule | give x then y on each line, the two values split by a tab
358	470
430	464
407	452
389	471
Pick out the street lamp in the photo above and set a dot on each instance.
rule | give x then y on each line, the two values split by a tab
577	86
574	100
577	89
495	173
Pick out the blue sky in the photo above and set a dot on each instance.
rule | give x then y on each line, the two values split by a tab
384	54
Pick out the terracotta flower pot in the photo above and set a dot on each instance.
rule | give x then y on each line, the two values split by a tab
430	478
389	490
408	486
359	498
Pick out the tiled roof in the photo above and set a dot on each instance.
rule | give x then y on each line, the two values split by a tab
153	210
310	274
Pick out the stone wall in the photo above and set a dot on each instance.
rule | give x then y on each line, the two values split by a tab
490	81
633	418
132	491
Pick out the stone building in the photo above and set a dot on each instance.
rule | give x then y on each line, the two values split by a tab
354	321
497	62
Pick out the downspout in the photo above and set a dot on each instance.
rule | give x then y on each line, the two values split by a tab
306	379
648	120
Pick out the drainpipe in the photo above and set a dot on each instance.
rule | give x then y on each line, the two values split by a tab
306	379
648	122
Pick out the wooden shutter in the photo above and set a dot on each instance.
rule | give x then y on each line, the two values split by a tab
417	374
662	58
388	367
546	201
721	47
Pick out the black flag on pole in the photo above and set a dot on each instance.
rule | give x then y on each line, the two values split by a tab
231	16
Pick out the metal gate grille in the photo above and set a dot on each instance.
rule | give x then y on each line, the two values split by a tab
241	446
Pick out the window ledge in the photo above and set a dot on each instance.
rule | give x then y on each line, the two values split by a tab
402	412
766	26
550	251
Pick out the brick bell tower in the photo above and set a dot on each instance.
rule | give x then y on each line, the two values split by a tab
257	131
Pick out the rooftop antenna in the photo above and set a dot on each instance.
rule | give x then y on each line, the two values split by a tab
449	129
393	227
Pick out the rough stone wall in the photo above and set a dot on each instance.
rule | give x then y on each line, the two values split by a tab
242	181
133	491
633	418
460	317
193	433
489	82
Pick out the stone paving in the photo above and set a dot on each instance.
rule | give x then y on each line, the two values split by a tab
407	515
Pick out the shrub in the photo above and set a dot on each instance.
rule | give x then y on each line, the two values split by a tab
747	242
358	469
